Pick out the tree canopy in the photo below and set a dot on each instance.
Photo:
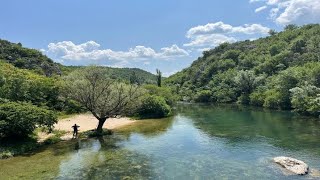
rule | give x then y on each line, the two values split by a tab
264	72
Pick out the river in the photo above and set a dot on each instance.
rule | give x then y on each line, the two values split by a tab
198	142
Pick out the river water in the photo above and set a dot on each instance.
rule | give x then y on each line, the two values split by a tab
199	142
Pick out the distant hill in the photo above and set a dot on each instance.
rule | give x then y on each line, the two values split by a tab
139	75
263	72
34	60
26	58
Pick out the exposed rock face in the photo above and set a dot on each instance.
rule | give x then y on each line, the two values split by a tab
293	165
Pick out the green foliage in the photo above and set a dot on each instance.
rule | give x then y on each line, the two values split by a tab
6	155
154	107
159	77
257	98
165	92
134	79
306	99
203	96
26	58
23	85
139	76
21	119
259	72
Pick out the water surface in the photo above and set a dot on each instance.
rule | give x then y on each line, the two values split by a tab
199	142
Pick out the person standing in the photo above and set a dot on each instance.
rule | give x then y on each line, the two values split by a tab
75	131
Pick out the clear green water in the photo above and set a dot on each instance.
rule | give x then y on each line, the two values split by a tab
199	142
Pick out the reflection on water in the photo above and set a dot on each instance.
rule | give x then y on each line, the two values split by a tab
199	142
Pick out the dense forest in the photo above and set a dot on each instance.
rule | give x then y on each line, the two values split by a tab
281	71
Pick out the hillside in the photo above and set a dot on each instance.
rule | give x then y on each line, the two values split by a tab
34	60
281	71
26	58
127	74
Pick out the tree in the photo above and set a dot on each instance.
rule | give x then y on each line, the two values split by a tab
134	79
305	99
154	106
290	27
21	119
159	77
102	96
246	82
272	32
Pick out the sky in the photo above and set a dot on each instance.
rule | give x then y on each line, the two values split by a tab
147	34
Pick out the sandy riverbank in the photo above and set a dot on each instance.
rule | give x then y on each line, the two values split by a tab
86	122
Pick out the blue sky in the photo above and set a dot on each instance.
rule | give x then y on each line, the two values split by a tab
166	34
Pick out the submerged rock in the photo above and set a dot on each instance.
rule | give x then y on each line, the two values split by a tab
293	165
314	173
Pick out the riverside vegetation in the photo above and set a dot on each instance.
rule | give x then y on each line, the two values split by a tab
281	71
34	91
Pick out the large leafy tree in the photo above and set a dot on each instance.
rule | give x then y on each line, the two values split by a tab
21	119
102	96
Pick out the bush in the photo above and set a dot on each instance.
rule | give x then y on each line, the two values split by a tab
71	107
21	119
203	96
257	98
306	99
6	155
164	92
154	107
243	99
273	99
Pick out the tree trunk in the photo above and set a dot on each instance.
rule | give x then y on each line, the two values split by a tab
100	125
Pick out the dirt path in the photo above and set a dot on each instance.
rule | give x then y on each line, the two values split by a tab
86	122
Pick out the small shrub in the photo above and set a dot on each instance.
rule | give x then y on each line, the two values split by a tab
257	98
244	99
154	107
6	155
273	99
203	96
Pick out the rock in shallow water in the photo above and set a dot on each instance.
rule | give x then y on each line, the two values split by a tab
293	165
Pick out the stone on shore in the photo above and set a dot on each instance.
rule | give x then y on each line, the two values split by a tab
293	165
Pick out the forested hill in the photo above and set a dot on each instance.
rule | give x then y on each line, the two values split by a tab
129	74
26	58
280	71
34	60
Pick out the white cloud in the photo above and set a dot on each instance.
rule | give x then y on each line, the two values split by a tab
222	28
298	12
253	1
67	50
173	51
213	34
260	9
211	40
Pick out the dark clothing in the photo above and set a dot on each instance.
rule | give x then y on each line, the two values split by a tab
75	130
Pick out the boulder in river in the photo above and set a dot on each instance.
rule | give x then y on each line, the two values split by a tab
293	165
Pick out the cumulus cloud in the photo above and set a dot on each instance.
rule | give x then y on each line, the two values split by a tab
222	28
298	12
91	51
211	40
173	51
213	34
260	9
